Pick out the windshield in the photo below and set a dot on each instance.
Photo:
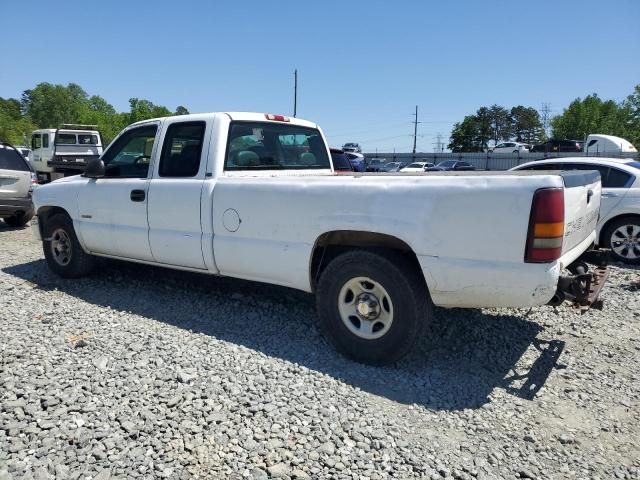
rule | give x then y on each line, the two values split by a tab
448	163
275	146
633	164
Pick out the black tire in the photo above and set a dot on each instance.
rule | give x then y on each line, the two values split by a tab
611	240
77	263
407	292
18	220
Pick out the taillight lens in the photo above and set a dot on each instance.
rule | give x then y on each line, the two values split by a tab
546	226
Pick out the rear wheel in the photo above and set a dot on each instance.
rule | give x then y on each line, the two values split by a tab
373	307
62	250
18	220
623	238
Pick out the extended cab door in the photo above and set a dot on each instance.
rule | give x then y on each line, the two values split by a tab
113	209
175	191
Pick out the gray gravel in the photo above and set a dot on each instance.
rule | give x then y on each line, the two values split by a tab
138	372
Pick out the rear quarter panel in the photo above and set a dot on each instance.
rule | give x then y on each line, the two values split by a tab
454	217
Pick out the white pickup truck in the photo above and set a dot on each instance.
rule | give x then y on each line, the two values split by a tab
254	196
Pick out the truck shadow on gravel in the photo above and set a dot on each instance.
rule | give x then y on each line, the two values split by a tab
465	355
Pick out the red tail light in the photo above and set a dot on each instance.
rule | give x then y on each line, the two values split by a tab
546	226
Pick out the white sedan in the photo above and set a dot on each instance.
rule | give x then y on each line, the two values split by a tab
417	167
619	223
511	147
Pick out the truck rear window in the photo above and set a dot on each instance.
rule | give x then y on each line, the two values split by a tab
65	139
274	146
86	139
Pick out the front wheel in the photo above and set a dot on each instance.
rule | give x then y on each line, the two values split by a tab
623	238
62	250
372	307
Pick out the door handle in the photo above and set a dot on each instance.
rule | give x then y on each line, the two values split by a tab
589	195
137	195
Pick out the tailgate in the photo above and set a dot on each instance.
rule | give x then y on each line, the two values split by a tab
581	206
14	183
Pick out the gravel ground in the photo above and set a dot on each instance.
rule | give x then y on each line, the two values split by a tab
138	372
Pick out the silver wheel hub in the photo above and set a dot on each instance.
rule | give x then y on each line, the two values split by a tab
61	247
365	308
368	306
625	241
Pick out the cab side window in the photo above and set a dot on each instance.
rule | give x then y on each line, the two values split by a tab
182	150
130	155
45	140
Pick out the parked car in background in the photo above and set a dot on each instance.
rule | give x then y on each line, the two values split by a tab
597	143
352	147
619	222
392	167
17	180
60	152
357	161
448	165
340	161
553	146
25	152
374	164
417	167
511	147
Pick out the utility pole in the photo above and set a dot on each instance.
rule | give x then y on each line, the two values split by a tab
415	130
295	92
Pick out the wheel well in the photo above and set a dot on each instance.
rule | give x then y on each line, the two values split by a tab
603	231
331	244
44	213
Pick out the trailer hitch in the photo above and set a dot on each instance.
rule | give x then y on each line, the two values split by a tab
581	287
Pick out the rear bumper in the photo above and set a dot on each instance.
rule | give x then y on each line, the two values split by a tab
11	206
455	282
479	284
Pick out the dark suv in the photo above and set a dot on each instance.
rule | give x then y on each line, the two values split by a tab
553	146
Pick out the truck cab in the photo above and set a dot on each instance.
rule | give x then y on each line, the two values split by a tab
60	152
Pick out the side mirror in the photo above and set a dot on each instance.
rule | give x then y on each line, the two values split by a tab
94	169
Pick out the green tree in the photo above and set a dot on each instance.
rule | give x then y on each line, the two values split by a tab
465	135
14	127
526	125
631	112
590	115
500	121
144	109
49	105
485	130
181	110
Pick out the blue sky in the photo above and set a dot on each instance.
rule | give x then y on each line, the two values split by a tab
363	65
